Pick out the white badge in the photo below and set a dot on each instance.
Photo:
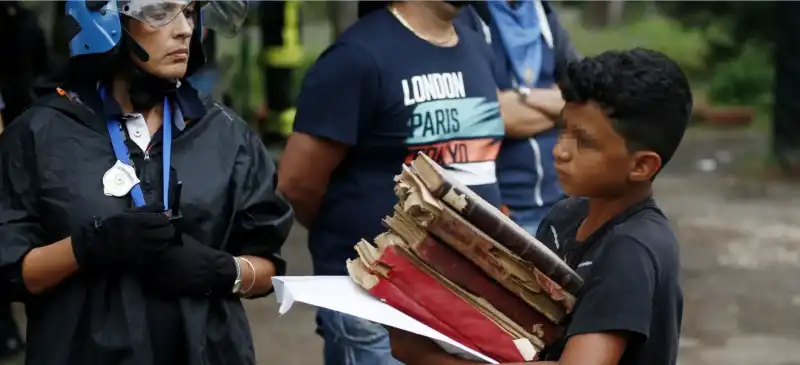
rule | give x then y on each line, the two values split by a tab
119	179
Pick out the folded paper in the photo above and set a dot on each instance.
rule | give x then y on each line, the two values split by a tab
341	294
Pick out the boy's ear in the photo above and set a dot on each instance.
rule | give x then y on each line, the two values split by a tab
645	165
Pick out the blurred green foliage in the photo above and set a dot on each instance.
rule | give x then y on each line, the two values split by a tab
729	26
725	48
744	79
686	46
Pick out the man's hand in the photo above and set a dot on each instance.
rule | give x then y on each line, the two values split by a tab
412	349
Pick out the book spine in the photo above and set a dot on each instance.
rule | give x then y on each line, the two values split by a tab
494	260
542	293
449	308
494	223
456	268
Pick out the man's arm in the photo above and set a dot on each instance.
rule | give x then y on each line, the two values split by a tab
524	119
305	170
338	92
548	101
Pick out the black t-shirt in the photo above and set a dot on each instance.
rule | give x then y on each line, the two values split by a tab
389	94
630	268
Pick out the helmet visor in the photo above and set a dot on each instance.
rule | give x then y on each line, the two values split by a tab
156	13
223	16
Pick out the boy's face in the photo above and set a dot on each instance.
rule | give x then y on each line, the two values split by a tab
592	159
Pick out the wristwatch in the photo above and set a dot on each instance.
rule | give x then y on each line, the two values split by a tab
237	284
523	92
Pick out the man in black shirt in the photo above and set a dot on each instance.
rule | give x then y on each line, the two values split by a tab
625	115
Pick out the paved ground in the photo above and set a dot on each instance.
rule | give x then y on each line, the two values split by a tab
740	242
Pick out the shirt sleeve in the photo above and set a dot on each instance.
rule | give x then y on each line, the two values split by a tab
618	296
338	94
20	228
262	219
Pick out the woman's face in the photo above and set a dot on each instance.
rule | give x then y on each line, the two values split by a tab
168	45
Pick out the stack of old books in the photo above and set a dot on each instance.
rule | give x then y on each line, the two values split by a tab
454	262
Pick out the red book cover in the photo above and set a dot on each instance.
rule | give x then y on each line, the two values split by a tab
445	305
383	289
456	268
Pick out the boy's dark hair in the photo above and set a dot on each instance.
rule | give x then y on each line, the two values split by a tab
643	92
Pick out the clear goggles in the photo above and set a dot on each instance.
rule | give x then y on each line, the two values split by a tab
223	16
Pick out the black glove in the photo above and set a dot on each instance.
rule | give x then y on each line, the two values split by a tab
123	240
191	269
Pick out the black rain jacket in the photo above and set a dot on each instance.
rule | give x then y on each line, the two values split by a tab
53	160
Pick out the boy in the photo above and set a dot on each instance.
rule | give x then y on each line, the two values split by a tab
625	115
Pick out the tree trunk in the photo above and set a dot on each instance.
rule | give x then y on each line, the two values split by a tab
786	123
601	14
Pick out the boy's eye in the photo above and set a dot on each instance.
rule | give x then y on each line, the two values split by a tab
583	141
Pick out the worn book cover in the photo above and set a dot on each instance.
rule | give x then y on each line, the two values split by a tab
390	260
520	277
494	223
383	289
456	268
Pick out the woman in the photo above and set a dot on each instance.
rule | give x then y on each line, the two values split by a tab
131	243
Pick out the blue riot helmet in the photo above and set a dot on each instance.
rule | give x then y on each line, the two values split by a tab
100	29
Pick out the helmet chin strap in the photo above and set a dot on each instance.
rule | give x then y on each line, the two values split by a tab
145	89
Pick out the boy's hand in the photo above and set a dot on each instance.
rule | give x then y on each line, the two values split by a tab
413	349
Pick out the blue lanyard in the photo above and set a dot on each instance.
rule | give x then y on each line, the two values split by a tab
121	151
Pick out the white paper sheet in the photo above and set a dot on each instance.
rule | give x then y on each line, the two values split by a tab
341	294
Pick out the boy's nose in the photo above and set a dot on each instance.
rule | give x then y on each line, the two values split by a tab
560	152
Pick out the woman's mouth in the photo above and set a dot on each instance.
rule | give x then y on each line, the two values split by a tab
180	53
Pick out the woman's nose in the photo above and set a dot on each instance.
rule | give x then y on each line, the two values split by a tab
184	28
